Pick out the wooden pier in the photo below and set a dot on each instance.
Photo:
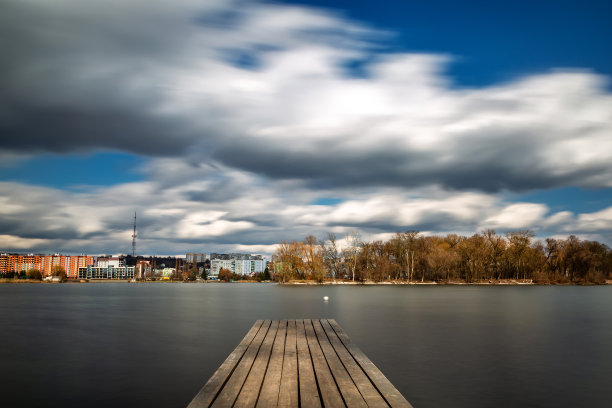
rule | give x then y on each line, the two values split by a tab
298	363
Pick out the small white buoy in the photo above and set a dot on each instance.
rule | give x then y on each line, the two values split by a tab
325	298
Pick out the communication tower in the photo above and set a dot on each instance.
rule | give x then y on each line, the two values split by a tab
134	237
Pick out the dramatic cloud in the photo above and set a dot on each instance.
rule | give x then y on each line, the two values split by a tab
262	88
255	218
248	113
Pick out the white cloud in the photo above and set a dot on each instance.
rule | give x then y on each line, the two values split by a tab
256	249
257	215
517	216
16	242
595	221
561	220
201	225
166	77
240	151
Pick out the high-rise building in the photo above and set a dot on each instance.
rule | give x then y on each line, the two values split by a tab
44	263
249	266
241	264
195	257
70	264
217	264
106	272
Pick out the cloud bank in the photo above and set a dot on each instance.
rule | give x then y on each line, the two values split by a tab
249	112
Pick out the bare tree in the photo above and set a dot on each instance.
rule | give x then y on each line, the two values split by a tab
353	242
331	256
409	238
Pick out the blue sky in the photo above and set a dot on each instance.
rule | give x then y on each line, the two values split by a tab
492	41
68	171
233	125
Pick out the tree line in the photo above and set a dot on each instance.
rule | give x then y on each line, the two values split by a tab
412	256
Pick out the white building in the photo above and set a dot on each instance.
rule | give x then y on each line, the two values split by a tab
217	264
239	266
108	272
249	266
114	261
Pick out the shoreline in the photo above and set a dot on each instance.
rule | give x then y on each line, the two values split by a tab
509	282
451	283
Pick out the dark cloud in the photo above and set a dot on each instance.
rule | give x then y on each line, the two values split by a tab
38	230
482	164
209	82
61	131
248	114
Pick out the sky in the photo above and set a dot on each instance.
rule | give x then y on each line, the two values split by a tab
232	125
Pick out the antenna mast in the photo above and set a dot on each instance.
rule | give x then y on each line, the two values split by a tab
134	236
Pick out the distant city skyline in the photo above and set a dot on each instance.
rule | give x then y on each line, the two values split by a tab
232	125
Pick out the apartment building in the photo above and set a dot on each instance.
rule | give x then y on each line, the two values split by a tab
114	261
18	263
217	264
242	264
195	257
106	272
71	264
44	263
249	266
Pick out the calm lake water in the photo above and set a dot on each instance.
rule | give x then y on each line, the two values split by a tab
155	345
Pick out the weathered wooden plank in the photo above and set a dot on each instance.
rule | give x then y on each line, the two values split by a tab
268	397
298	363
250	390
230	391
345	384
329	391
393	397
212	387
370	394
309	394
288	395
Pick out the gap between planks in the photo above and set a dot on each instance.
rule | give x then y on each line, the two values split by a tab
298	363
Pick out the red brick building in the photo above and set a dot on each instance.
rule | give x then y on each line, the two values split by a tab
45	263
